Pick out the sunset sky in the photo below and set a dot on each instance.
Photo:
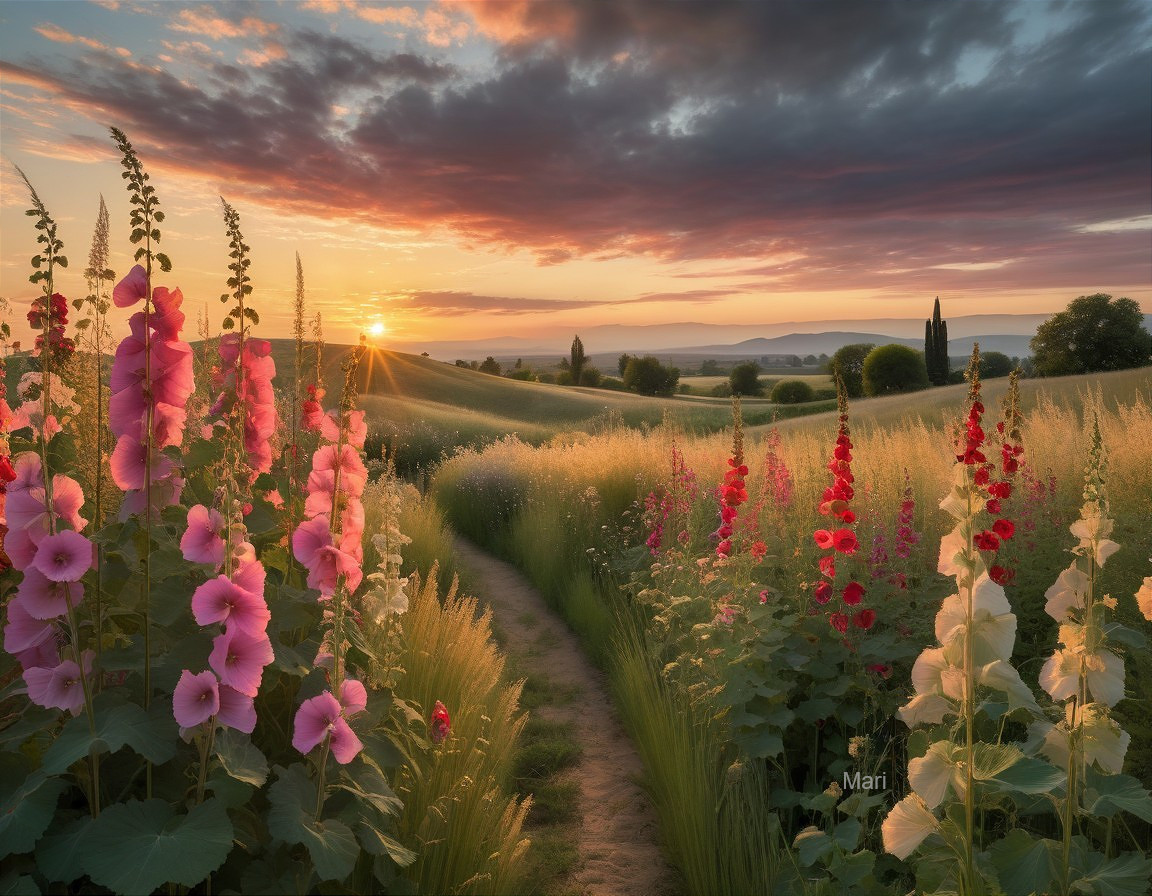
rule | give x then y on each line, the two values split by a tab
458	170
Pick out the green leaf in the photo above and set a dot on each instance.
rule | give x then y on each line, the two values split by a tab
847	834
13	884
1029	775
26	808
60	855
151	734
136	847
812	845
852	869
1109	794
378	843
331	845
1127	875
815	709
62	261
1024	865
241	758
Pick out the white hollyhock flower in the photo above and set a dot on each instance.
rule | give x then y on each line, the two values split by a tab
907	825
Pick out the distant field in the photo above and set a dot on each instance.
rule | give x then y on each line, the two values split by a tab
703	385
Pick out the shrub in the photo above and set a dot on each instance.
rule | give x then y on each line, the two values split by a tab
745	379
894	368
793	392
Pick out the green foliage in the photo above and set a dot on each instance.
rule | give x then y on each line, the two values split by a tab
649	377
848	364
145	213
490	366
894	368
993	365
745	379
589	376
1094	333
792	392
576	361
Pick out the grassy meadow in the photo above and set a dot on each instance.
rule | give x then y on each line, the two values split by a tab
574	514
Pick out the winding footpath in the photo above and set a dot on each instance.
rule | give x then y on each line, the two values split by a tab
618	835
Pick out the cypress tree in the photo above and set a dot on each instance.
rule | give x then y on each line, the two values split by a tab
936	347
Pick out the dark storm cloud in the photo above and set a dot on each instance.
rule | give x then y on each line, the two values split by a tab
858	139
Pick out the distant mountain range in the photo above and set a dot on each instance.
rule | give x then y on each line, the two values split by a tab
1007	333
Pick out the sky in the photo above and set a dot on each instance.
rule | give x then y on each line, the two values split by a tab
465	170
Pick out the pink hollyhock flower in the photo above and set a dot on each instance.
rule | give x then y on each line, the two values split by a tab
853	593
248	573
46	599
823	539
220	600
196	699
28	472
353	696
126	410
165	492
65	556
167	318
24	631
319	718
312	545
236	710
67	499
129	463
168	423
353	474
441	725
201	542
131	289
59	687
239	659
311	416
320	486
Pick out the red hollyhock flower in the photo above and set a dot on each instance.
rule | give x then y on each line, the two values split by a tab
844	541
839	621
822	593
441	724
986	541
1004	529
864	619
758	550
1000	575
823	539
853	593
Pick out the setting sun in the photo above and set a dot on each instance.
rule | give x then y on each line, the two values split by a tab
377	329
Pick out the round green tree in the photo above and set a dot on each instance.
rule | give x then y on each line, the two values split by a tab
745	379
894	368
848	363
649	377
792	392
1094	333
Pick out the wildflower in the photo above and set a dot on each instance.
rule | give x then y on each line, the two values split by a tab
64	557
196	699
322	717
440	725
236	710
222	600
852	594
44	598
59	687
201	541
864	619
239	659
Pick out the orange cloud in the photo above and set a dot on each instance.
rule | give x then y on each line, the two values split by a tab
194	21
59	35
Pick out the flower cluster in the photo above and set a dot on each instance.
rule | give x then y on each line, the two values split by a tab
53	560
244	378
234	599
674	503
151	382
324	719
49	315
441	725
841	541
733	492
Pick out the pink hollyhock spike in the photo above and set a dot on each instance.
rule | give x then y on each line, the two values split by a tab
46	599
201	541
353	696
441	724
239	659
126	410
196	699
236	710
353	474
311	416
59	687
220	600
131	289
65	556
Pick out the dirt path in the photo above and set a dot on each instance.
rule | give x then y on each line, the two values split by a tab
618	834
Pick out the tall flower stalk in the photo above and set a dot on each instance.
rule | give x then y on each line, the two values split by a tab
976	631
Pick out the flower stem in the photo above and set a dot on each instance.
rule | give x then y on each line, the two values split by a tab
320	784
